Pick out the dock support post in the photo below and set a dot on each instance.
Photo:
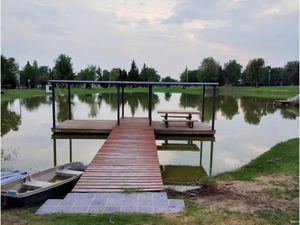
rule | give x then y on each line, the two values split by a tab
54	151
211	157
53	106
118	87
122	101
150	104
70	143
201	148
203	101
213	109
69	101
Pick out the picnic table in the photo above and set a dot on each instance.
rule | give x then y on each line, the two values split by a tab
180	115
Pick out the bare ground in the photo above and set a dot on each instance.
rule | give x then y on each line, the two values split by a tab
265	192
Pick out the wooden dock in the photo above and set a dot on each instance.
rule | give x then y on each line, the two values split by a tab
106	126
127	160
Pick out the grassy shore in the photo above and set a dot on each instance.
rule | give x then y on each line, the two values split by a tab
279	92
195	213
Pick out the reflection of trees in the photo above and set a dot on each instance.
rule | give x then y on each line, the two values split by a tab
255	108
9	119
195	101
91	100
132	99
35	102
290	112
63	107
228	105
167	96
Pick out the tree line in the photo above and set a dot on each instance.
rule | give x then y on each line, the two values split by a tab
232	73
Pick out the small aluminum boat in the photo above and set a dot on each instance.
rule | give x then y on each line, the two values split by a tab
42	185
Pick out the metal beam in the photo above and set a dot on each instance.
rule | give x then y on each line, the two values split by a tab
203	104
53	106
150	104
122	101
213	109
69	101
118	87
141	83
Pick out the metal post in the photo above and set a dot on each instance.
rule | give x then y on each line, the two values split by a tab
211	157
150	104
203	101
118	104
53	105
54	151
201	148
122	101
213	109
70	143
69	101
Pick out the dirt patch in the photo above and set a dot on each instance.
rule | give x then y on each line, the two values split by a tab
276	192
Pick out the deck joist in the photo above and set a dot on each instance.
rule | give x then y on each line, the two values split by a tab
127	160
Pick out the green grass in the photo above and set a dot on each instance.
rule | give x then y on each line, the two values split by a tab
11	94
194	214
279	92
287	154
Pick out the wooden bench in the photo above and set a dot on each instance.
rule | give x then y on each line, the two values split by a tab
190	123
185	116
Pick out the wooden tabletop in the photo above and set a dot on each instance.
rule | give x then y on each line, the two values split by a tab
178	112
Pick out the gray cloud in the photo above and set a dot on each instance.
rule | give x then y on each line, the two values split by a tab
167	35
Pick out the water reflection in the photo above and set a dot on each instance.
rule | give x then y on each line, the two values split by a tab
34	103
168	96
9	119
232	149
182	159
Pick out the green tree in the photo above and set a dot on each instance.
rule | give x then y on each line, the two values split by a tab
254	71
232	72
9	71
30	75
149	74
63	69
168	79
133	74
123	75
115	74
98	74
291	73
209	70
88	73
184	75
105	77
44	75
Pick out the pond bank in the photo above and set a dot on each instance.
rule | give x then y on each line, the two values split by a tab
265	191
276	92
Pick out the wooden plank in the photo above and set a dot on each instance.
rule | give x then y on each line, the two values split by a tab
127	159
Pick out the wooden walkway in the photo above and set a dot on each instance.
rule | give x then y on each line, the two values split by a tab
127	161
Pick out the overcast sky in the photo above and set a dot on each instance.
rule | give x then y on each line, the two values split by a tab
165	34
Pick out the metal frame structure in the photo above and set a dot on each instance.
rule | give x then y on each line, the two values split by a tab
123	84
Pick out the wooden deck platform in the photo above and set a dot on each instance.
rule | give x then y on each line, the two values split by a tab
106	126
127	160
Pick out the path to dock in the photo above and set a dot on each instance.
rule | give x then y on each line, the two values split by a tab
127	160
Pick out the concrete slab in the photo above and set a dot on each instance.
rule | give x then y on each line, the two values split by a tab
142	202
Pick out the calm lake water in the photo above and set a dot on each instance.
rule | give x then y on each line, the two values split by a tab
245	128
